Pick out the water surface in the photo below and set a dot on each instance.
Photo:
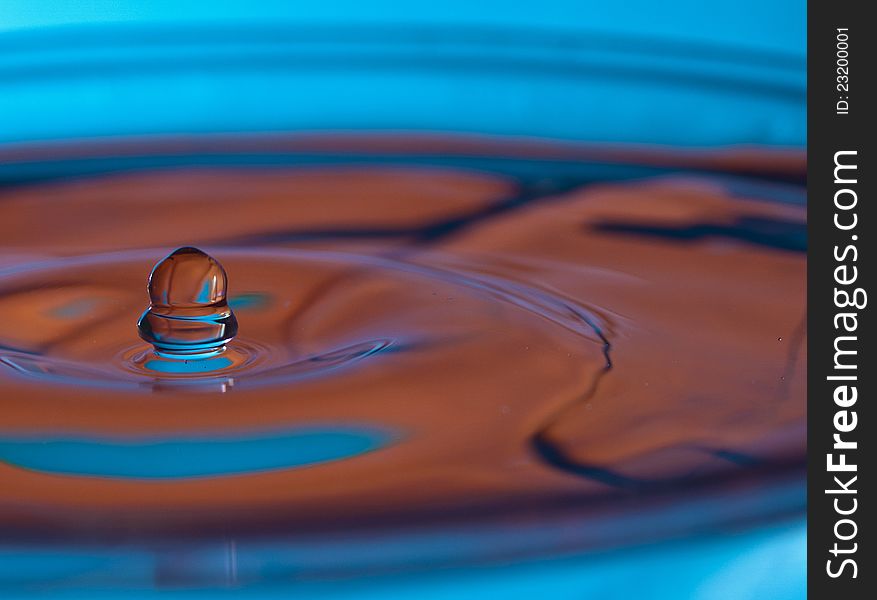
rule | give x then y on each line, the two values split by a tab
557	349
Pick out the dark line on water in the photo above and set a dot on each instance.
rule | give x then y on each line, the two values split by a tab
738	458
778	234
552	454
23	173
481	35
420	235
711	80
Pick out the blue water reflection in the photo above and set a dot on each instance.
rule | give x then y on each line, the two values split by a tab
676	73
189	456
752	565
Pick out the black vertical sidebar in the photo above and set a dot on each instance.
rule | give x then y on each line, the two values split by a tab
842	438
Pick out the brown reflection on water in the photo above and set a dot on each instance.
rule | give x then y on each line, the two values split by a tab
707	342
617	340
222	206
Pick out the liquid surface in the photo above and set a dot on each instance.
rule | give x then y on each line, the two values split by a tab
522	341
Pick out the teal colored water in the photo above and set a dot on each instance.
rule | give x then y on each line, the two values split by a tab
188	457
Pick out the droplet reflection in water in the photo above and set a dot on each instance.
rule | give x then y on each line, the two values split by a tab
188	316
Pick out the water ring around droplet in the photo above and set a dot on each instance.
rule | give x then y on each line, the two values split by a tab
259	356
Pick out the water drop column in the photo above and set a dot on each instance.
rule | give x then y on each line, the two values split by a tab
188	316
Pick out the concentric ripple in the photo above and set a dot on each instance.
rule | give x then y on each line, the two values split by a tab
305	324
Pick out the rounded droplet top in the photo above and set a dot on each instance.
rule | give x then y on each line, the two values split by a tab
188	316
187	278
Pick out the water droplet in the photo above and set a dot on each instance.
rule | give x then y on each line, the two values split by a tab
188	316
779	339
